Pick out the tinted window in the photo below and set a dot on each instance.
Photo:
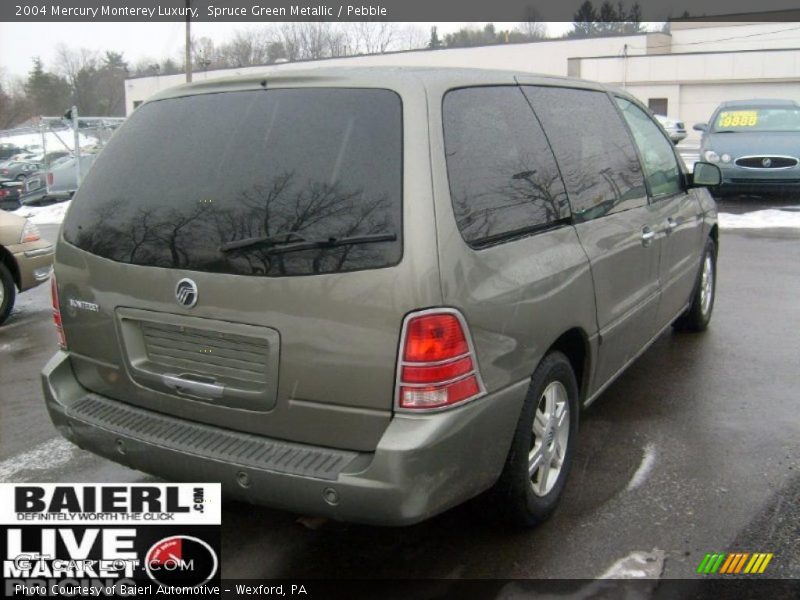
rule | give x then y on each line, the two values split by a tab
593	148
503	177
185	176
660	165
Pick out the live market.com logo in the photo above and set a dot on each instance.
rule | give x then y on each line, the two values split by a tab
181	560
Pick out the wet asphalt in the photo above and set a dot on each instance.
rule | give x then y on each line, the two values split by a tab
695	449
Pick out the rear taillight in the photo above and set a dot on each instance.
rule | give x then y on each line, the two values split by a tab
4	193
62	340
49	179
437	366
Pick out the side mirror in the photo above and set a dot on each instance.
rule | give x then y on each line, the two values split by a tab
706	174
700	127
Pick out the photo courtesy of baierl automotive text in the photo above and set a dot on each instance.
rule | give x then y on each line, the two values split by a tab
403	299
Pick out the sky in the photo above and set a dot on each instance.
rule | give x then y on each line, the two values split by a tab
21	42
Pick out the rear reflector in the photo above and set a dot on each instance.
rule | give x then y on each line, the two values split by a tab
62	340
437	366
49	179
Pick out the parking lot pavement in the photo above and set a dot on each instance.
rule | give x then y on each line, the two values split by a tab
690	153
694	449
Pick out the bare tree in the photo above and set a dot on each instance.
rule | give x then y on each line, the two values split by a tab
14	105
373	37
79	67
247	47
71	61
305	40
204	53
341	41
532	27
412	37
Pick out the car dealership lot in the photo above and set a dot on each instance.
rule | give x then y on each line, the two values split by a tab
693	450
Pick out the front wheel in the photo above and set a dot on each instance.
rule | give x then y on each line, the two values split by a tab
541	452
698	315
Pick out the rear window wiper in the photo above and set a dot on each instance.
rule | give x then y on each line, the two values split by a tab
333	242
266	240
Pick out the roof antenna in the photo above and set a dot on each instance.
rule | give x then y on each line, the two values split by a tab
264	83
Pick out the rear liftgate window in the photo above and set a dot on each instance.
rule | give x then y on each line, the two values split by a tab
270	183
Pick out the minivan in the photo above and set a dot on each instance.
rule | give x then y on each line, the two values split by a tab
372	294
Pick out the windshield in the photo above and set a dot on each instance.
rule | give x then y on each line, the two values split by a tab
757	118
186	177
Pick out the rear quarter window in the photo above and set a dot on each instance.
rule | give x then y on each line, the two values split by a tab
503	177
185	178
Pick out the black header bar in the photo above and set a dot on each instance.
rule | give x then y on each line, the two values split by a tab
380	10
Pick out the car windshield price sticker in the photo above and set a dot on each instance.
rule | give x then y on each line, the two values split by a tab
737	118
110	540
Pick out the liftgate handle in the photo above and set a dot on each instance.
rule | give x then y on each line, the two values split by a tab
197	388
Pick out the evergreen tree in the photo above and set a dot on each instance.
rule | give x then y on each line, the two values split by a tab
48	94
584	21
435	42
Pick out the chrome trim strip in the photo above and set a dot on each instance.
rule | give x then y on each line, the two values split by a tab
38	252
441	383
437	363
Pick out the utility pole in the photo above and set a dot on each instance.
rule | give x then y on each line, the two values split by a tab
188	57
72	116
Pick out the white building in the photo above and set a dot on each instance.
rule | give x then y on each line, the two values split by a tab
685	73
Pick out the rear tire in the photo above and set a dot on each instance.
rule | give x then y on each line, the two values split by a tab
7	293
698	315
541	452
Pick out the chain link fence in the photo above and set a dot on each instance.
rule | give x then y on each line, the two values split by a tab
49	160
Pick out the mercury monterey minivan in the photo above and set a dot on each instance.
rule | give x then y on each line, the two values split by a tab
373	293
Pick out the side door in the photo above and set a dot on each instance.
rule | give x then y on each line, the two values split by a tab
677	211
607	193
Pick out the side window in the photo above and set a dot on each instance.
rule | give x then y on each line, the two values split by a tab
503	176
660	165
598	161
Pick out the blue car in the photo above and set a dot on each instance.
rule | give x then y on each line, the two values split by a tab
756	145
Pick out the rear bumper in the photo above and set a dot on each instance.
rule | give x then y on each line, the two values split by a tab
422	465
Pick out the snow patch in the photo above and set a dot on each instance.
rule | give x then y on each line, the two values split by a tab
47	455
637	565
761	219
45	215
53	142
641	474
